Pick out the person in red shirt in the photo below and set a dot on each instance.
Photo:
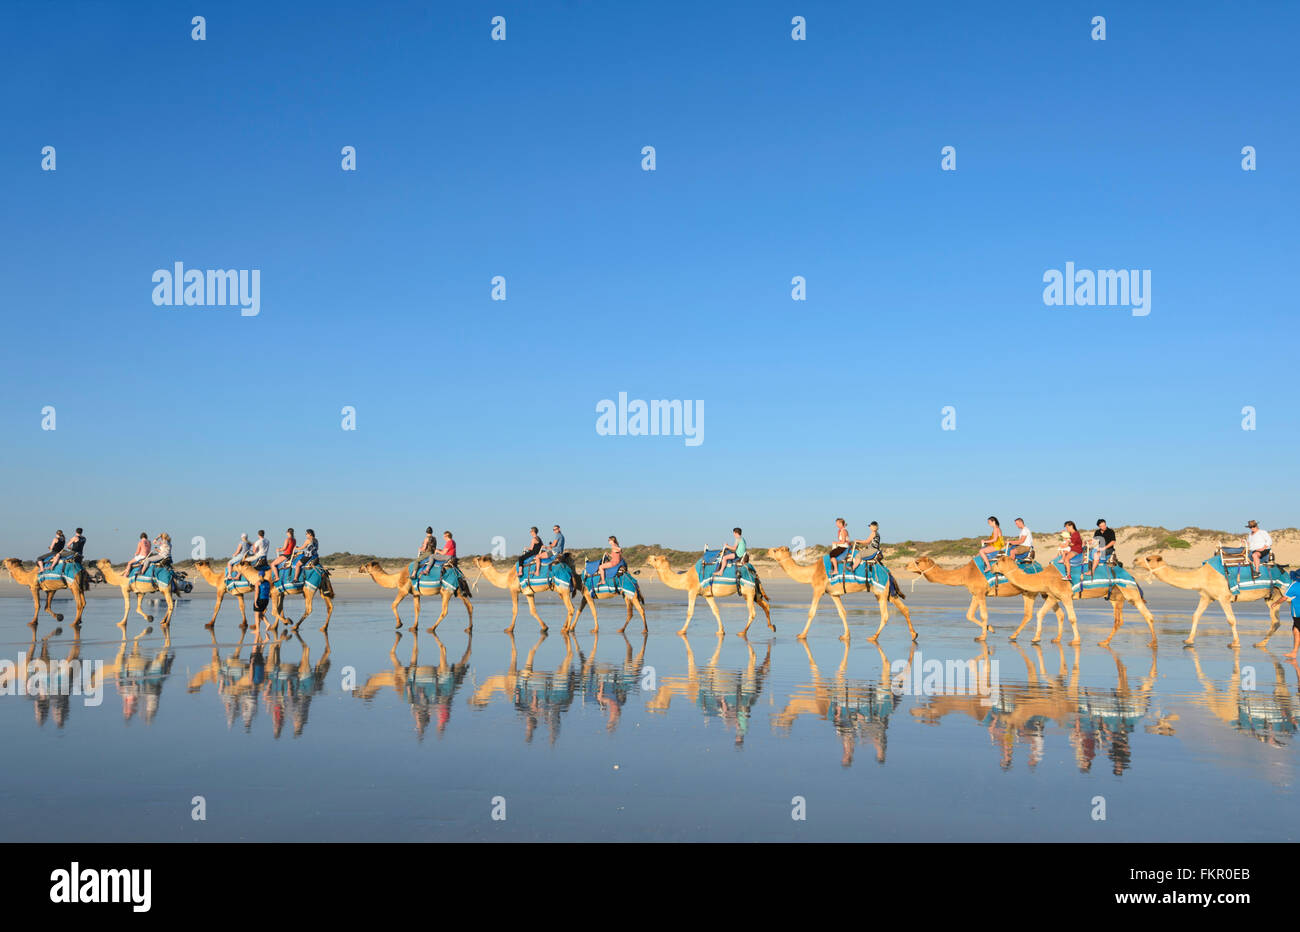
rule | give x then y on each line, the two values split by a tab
448	550
1073	555
285	552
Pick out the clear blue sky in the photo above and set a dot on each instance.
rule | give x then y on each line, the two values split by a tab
522	158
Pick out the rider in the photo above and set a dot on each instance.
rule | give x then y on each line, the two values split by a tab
141	551
310	551
75	549
56	548
1025	542
1258	544
841	544
1073	549
615	559
1103	543
241	551
428	550
555	549
448	550
161	555
289	548
869	549
734	551
261	549
534	551
994	543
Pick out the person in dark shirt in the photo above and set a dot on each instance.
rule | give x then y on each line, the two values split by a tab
534	549
1103	540
56	548
73	551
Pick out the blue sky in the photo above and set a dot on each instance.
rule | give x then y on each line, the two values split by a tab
522	158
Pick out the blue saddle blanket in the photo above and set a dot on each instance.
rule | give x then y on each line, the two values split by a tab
66	571
706	568
615	579
161	576
312	576
871	573
1106	577
437	577
1240	579
550	572
994	578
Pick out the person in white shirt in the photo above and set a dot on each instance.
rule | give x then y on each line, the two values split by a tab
261	549
1025	542
238	555
1258	544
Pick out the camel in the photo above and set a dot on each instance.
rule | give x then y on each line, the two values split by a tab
24	577
970	577
139	586
636	601
237	586
306	591
509	580
401	581
1213	587
689	582
1117	594
1058	592
815	576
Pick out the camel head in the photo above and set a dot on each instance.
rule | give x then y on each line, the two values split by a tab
778	552
13	563
1004	563
203	563
658	561
371	566
1152	561
920	565
482	561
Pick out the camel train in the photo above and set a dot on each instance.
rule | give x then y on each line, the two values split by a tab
1230	577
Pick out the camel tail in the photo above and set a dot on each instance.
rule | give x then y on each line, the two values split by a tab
328	588
894	588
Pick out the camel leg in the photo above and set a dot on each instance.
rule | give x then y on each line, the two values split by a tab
645	625
1029	613
126	606
446	603
628	620
469	610
1140	604
979	600
36	606
716	614
49	597
812	611
514	610
221	595
1116	606
844	618
139	598
591	603
1060	623
1201	606
1038	629
397	601
171	605
1273	607
329	612
690	609
532	610
80	598
883	599
899	604
1232	621
767	611
749	603
243	615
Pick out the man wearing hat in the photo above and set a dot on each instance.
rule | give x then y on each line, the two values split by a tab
1258	545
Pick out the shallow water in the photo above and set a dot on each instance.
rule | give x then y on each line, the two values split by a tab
365	736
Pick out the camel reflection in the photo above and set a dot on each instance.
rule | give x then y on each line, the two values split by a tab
428	689
858	709
48	682
140	676
539	697
1271	718
608	686
1094	719
285	687
728	694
